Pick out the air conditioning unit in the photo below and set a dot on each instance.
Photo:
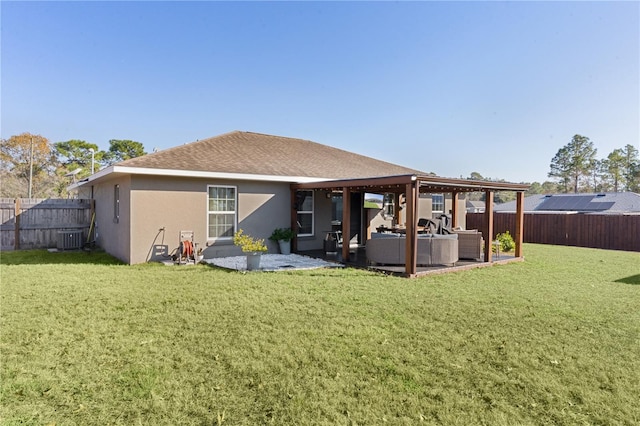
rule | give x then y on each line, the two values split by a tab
68	240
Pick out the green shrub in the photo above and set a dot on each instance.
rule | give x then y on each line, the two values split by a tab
506	241
282	234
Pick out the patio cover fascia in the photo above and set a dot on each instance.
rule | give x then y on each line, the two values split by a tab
412	186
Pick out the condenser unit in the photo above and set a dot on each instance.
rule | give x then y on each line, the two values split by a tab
68	240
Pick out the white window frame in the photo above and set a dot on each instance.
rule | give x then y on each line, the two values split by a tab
235	212
434	211
309	212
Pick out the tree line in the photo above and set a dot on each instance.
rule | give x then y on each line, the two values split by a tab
27	157
29	160
575	168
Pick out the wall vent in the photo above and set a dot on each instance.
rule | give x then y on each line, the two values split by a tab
68	240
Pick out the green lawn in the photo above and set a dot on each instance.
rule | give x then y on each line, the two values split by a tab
553	340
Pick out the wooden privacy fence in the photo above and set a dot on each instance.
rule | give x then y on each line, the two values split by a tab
614	232
34	223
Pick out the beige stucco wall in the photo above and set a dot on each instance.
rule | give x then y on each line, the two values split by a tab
162	207
113	236
153	211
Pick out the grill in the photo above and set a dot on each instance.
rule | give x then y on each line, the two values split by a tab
68	240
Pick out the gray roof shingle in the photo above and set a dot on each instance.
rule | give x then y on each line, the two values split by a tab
261	154
609	202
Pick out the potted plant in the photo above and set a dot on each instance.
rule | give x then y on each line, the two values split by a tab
283	237
253	247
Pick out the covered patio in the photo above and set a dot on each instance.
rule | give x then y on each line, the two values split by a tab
358	259
410	187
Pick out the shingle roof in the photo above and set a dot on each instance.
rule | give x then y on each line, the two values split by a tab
475	204
609	202
260	154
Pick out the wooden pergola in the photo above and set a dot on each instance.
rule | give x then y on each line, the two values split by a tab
411	186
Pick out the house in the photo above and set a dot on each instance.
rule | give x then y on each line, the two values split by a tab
475	206
583	203
258	182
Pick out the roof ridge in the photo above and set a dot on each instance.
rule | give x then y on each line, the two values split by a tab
231	151
273	136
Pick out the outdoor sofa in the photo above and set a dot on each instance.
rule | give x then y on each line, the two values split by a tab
433	249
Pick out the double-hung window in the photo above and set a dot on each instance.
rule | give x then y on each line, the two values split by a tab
222	211
305	213
437	205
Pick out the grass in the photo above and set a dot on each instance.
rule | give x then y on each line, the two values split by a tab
552	340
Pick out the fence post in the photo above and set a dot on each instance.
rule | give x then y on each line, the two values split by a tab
16	233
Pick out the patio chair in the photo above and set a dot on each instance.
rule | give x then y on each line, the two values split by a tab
427	225
444	226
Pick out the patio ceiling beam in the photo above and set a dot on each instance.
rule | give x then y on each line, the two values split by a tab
436	183
397	184
389	182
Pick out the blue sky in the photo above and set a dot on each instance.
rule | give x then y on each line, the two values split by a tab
445	87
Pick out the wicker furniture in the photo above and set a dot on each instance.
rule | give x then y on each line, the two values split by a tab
470	244
432	249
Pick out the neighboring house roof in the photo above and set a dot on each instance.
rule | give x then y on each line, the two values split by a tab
263	156
609	202
475	204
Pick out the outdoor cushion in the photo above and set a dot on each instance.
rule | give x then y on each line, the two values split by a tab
385	235
441	249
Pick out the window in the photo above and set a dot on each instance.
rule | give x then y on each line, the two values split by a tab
116	204
336	208
305	213
437	205
221	211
